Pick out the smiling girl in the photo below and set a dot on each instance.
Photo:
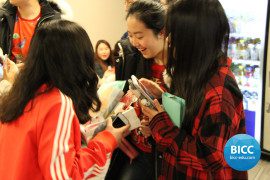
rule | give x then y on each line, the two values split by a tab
144	56
104	57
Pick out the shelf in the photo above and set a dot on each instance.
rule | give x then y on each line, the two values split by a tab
250	89
246	62
246	35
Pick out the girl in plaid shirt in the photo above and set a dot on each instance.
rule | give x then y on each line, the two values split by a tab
198	32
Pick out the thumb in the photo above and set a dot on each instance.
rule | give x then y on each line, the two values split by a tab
158	106
123	129
145	82
109	121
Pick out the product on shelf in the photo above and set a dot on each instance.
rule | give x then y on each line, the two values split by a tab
245	48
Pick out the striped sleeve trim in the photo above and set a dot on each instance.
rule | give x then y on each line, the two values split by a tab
98	172
58	168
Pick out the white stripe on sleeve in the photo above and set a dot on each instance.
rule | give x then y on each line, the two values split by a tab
58	165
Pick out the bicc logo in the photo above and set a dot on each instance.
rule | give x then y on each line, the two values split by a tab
242	152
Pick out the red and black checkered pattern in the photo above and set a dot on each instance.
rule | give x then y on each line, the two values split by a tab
199	155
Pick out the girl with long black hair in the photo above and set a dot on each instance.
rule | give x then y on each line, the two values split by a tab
39	117
198	32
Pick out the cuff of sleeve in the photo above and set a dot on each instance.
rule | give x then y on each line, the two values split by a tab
106	138
161	124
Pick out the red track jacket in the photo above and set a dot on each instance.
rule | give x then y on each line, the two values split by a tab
45	143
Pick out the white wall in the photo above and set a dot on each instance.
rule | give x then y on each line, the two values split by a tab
102	19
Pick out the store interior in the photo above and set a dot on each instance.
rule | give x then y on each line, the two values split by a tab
249	48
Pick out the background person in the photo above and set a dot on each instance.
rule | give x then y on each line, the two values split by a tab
104	57
19	19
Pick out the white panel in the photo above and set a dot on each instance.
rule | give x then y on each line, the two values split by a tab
102	19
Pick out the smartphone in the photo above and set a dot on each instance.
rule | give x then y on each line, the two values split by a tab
119	121
145	94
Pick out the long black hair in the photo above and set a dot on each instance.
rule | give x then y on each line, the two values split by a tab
198	32
60	55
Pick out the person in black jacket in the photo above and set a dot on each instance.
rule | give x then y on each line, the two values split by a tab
15	12
129	61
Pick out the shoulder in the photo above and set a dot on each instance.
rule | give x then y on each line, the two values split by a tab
50	106
59	9
125	35
62	9
7	9
126	60
223	87
50	11
3	13
52	98
126	46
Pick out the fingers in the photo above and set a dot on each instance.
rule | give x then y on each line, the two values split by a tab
147	111
158	106
152	87
123	131
8	61
124	128
118	133
20	65
109	122
145	122
134	92
144	81
10	65
146	131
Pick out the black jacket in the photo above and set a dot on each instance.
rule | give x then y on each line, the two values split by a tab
129	61
7	21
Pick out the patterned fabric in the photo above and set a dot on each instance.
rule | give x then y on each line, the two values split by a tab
22	35
137	137
157	75
200	155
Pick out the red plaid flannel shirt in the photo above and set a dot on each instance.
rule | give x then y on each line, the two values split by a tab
200	155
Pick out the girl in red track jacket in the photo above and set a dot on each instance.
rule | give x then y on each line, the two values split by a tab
39	118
